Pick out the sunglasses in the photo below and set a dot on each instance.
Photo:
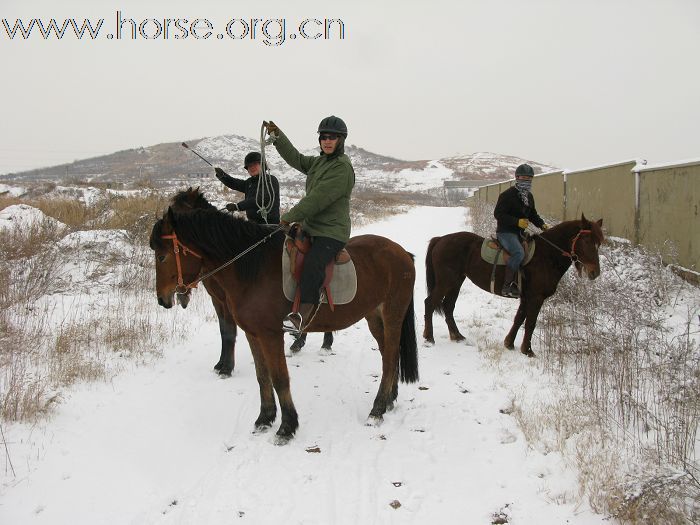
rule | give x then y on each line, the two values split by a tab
328	136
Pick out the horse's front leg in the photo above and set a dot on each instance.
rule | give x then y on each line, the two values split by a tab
509	341
227	328
273	351
268	408
533	310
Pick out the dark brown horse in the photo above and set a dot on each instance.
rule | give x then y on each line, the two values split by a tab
452	258
183	202
253	289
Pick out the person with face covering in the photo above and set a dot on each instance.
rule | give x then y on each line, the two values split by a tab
324	211
514	211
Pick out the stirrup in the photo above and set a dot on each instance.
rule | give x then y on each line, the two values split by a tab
288	325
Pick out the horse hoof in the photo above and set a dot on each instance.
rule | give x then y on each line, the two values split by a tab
326	347
509	345
457	337
261	429
225	372
429	341
281	440
218	365
295	347
374	421
528	353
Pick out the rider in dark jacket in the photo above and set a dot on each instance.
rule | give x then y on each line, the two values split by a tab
250	187
514	211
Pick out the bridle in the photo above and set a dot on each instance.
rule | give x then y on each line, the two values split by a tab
571	254
182	288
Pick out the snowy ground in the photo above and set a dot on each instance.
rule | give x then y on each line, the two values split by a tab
170	442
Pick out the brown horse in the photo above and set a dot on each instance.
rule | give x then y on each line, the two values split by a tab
452	258
253	288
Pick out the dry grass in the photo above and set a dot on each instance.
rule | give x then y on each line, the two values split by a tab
48	342
630	413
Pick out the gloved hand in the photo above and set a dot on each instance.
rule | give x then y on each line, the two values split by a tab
545	227
523	223
271	128
285	226
232	206
219	172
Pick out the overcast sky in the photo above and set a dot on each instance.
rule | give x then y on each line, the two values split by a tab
571	84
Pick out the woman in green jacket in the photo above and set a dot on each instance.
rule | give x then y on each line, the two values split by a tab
324	211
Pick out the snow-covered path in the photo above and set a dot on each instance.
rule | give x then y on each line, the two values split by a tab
170	442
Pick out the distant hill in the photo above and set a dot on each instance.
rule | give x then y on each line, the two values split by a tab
169	164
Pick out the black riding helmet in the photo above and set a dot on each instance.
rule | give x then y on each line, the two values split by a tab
333	124
251	158
524	170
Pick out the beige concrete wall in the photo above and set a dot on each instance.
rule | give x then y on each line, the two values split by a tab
669	209
607	192
548	190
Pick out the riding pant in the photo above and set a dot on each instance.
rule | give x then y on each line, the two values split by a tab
323	250
511	242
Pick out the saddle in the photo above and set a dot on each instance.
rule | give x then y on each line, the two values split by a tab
493	253
339	284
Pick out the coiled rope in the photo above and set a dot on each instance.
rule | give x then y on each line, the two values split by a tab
265	193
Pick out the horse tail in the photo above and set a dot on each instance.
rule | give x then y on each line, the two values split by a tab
408	347
430	272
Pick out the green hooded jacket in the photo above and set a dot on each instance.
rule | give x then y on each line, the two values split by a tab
325	210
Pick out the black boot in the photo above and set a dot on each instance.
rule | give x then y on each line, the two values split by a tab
510	287
296	322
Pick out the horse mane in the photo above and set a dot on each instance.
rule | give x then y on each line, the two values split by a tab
222	236
190	199
219	235
571	227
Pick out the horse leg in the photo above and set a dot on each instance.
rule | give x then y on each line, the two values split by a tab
298	343
268	408
390	366
509	341
273	351
533	310
227	329
448	306
428	320
327	341
376	327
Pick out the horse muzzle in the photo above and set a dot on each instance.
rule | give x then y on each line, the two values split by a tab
165	303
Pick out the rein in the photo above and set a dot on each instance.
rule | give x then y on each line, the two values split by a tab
570	254
181	288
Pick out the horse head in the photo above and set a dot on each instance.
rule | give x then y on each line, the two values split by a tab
176	264
585	245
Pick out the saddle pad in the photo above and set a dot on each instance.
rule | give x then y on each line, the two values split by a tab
343	285
490	247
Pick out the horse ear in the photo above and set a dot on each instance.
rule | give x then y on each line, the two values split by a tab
583	219
599	222
170	215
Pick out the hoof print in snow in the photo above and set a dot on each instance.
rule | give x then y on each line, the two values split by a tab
462	389
396	483
241	513
417	430
395	504
382	437
423	388
507	411
313	450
